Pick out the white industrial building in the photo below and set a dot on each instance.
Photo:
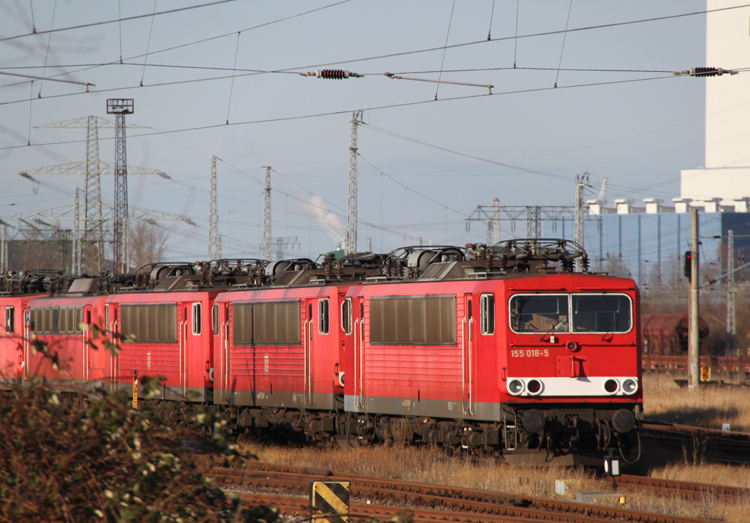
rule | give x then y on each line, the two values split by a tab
725	177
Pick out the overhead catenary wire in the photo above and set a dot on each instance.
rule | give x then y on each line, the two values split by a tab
107	22
410	189
492	15
515	40
323	114
231	86
148	43
445	48
418	51
46	54
562	48
119	26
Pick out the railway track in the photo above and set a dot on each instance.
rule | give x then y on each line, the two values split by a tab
662	441
683	489
384	498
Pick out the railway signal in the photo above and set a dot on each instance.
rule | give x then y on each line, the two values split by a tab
688	265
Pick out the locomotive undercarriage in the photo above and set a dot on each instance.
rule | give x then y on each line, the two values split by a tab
559	436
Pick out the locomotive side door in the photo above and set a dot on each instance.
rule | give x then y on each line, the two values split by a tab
307	343
26	337
358	337
85	335
222	379
467	357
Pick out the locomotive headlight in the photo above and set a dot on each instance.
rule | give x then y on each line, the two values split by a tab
534	387
629	386
515	387
611	386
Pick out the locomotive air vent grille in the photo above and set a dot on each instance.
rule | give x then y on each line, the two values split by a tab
438	271
169	282
83	286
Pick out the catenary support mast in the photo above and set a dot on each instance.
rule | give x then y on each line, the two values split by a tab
267	217
694	328
214	242
120	107
350	238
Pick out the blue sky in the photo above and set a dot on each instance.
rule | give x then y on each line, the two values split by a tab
524	144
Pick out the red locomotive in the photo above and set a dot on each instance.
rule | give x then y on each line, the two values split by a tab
499	350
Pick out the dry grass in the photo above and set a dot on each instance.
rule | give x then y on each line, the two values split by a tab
430	465
664	400
708	407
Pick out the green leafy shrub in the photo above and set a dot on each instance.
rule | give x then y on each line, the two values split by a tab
92	457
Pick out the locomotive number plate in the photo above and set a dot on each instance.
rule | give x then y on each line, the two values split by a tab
529	353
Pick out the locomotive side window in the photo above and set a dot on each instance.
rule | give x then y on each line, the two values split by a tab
266	323
242	323
197	325
346	316
539	313
215	319
601	313
276	322
10	320
322	316
418	320
155	323
487	313
54	320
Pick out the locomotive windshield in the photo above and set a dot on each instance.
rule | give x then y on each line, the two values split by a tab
601	313
571	313
539	313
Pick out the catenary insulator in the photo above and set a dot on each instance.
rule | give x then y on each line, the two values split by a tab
706	71
332	74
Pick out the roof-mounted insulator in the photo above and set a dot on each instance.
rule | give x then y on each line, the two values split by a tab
706	71
332	74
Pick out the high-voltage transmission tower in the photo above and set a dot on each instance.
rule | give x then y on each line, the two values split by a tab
120	107
350	237
92	168
267	217
77	236
214	239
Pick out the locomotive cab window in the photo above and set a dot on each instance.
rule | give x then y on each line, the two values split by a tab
215	319
196	319
10	320
346	316
539	313
323	316
601	313
487	314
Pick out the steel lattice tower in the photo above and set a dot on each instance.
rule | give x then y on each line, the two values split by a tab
77	240
214	239
267	217
3	247
92	194
350	237
120	108
93	225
